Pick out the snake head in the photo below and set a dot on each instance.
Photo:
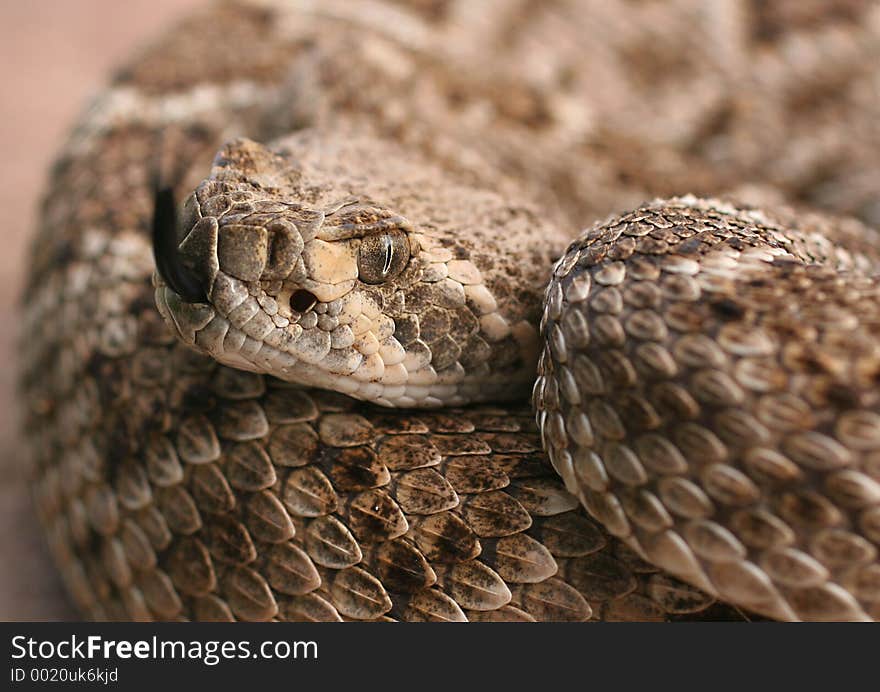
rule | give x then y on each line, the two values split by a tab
283	270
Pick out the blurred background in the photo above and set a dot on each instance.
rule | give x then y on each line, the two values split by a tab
54	56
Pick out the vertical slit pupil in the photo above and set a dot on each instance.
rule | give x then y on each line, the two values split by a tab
389	254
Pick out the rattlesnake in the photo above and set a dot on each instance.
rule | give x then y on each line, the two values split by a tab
707	370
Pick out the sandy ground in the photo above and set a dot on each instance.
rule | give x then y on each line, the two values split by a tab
54	54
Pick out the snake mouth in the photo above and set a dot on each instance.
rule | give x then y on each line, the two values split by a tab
236	330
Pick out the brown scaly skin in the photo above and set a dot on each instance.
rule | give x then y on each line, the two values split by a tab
171	487
708	389
272	503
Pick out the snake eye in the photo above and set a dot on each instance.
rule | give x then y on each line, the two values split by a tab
382	257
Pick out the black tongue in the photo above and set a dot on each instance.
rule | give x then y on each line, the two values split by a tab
165	249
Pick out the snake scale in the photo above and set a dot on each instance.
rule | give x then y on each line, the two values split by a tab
362	216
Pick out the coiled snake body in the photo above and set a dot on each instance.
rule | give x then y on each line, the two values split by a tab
707	388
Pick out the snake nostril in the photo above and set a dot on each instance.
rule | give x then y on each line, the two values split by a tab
302	300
